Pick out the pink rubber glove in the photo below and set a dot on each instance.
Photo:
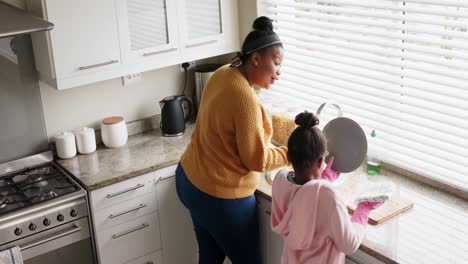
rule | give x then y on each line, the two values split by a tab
328	173
361	214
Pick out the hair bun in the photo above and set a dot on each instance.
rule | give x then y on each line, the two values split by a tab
263	23
306	119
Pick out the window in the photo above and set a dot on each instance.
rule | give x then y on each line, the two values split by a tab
399	67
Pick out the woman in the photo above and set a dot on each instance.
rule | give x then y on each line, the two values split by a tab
216	178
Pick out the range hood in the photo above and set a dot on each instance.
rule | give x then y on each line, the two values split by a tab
14	21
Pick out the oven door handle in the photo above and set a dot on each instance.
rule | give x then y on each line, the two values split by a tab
54	237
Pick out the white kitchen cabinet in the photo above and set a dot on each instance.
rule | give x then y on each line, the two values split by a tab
125	220
152	258
270	242
84	45
208	28
130	240
177	234
149	36
99	40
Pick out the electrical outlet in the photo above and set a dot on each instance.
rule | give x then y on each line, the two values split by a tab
190	63
131	78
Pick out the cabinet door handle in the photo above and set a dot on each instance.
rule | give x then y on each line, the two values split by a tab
97	65
201	44
129	231
162	178
159	52
125	191
128	211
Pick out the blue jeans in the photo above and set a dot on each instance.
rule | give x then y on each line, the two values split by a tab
223	227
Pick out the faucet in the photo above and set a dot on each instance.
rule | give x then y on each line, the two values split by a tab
335	105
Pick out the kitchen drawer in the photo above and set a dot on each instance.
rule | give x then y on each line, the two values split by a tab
130	240
152	258
126	211
122	191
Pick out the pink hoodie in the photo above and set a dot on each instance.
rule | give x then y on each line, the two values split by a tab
313	221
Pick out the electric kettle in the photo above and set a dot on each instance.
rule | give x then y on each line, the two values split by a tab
173	116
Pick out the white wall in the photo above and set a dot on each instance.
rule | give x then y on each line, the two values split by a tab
87	105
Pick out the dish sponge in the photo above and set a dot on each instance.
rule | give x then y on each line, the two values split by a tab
375	192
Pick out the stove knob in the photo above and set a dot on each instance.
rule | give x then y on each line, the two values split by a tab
32	227
60	218
18	231
73	213
46	222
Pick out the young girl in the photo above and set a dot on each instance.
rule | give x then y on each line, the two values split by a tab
306	211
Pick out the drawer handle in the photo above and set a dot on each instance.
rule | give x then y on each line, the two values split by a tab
97	65
128	211
129	231
125	191
201	44
149	262
268	212
159	52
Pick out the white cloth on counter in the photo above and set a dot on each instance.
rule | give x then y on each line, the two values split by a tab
11	256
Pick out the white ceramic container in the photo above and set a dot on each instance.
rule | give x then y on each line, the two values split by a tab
65	145
85	140
114	132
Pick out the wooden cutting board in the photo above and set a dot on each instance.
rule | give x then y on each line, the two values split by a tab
393	207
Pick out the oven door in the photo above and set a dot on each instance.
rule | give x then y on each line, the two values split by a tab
69	243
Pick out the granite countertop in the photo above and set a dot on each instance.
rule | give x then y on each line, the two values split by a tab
143	153
435	230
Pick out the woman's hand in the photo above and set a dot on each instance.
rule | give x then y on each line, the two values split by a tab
361	214
328	173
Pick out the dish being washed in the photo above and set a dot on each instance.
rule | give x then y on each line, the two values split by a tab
375	192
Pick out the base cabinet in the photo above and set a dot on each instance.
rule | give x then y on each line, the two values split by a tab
177	235
271	244
360	257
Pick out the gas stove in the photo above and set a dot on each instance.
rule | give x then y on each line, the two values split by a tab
41	206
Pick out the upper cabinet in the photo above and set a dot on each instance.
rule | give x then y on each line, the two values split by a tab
208	27
84	41
148	29
98	40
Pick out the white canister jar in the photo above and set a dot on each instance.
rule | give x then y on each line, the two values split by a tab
114	132
65	145
85	140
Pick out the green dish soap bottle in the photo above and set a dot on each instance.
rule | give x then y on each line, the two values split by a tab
373	163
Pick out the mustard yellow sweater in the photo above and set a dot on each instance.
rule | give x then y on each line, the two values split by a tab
230	142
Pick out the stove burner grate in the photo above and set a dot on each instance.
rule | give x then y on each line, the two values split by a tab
33	185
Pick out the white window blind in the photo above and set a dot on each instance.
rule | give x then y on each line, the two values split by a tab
399	67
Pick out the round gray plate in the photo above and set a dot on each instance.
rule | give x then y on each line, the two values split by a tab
347	142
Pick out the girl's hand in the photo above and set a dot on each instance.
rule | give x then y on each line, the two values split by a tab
328	173
361	214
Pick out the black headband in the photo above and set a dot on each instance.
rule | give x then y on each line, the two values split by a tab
263	42
258	44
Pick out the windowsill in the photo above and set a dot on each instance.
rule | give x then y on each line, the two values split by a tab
442	186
